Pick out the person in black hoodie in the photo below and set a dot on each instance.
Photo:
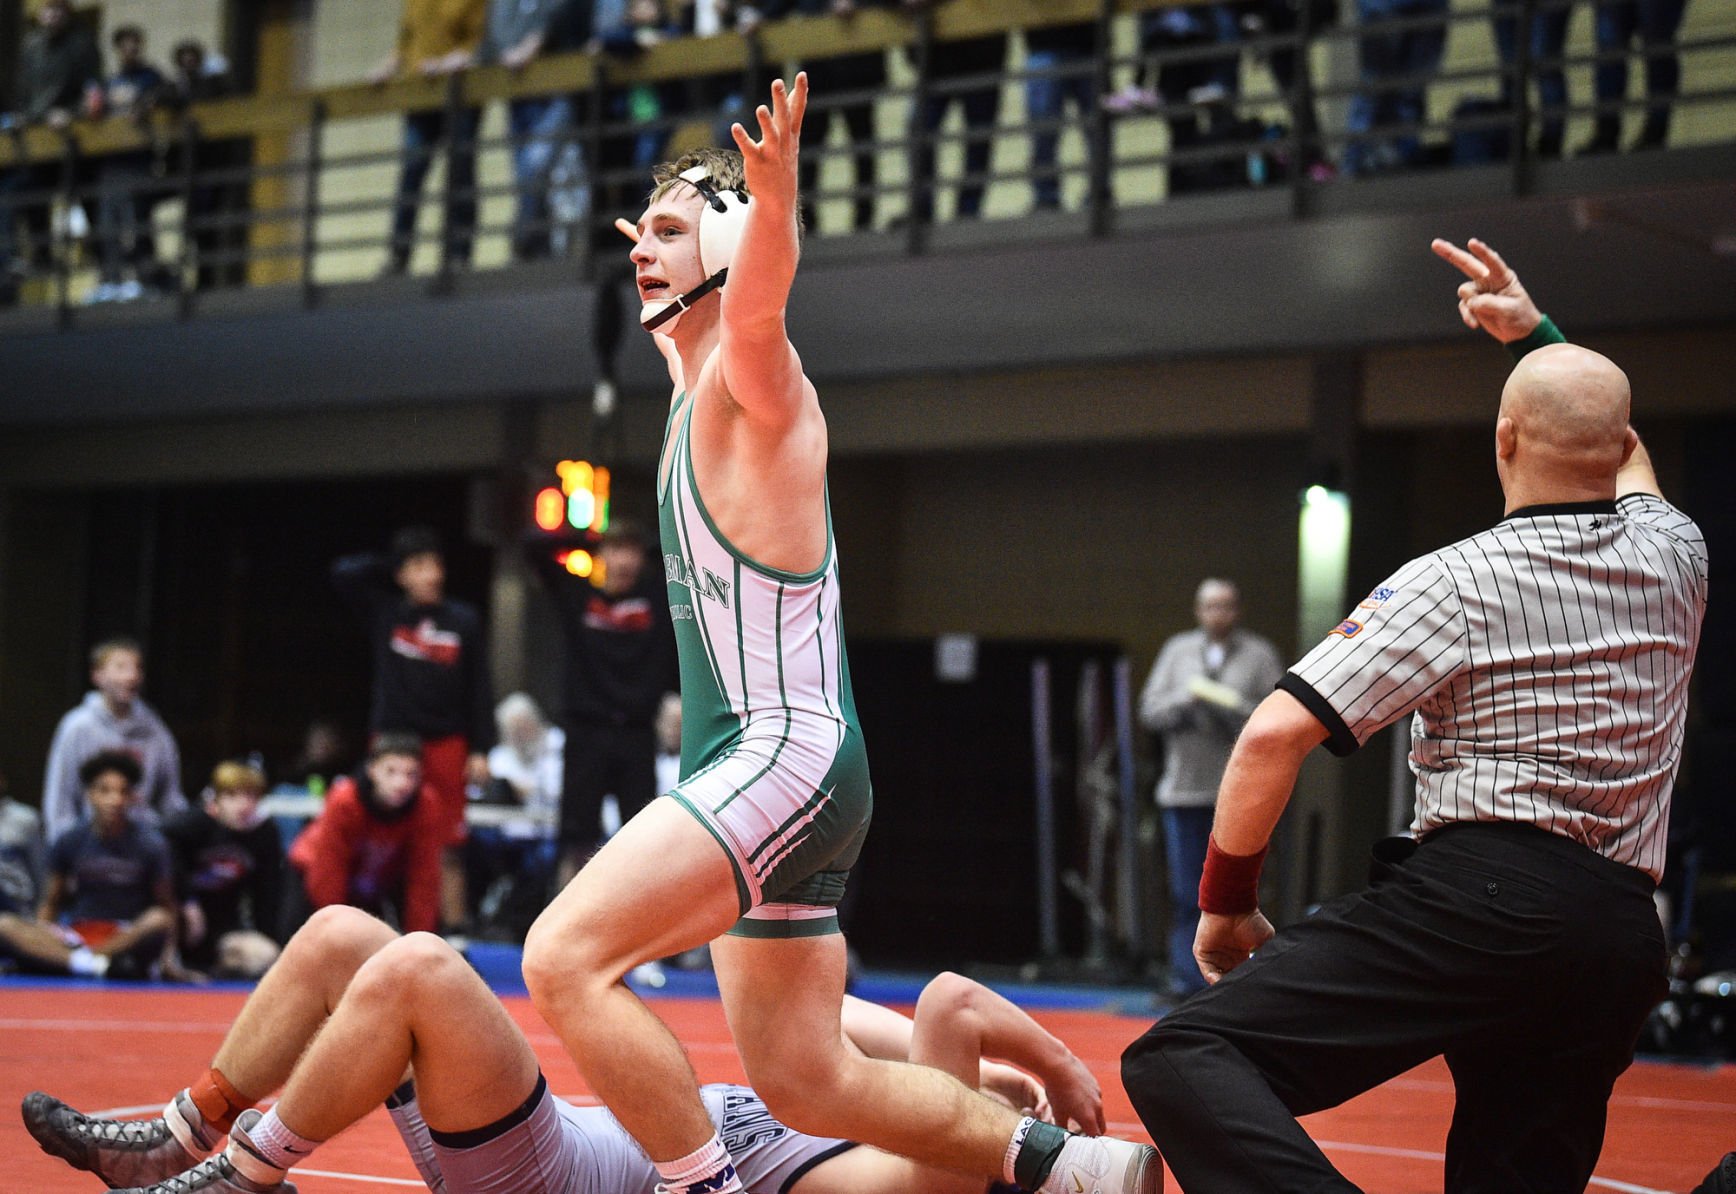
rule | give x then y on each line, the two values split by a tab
619	661
430	677
228	862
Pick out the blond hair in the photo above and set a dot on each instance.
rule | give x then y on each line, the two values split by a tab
723	170
234	776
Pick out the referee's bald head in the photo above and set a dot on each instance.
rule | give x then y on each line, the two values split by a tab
1563	424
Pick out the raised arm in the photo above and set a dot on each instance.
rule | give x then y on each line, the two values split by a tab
1492	298
761	371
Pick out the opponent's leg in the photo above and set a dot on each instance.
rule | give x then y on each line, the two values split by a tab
414	1003
783	998
659	886
274	1026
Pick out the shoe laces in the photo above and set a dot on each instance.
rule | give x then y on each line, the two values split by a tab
207	1173
122	1133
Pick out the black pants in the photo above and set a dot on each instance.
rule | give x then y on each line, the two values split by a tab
600	760
1524	958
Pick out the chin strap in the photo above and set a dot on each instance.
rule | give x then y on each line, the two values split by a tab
674	308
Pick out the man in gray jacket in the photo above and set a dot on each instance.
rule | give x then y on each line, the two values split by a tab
1202	688
113	717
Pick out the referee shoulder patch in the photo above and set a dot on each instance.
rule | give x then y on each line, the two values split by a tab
1348	628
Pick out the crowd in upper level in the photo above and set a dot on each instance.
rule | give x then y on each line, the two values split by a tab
1193	61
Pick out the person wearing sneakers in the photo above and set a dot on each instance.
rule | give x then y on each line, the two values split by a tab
752	850
351	1005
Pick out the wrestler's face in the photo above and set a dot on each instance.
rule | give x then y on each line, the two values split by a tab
666	257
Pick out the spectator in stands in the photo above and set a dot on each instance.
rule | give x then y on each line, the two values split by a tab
1059	66
57	64
844	90
543	127
1548	42
529	755
109	877
1292	72
968	71
1655	23
218	199
430	677
21	854
378	842
624	29
1204	685
1199	94
436	38
228	862
620	660
130	188
112	717
1395	53
668	728
324	756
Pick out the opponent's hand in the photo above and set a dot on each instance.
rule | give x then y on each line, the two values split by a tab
1493	299
1224	942
769	164
1021	1091
1076	1099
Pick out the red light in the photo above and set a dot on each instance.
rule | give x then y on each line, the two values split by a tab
551	509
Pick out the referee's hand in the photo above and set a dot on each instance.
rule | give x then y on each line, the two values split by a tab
1224	942
1493	299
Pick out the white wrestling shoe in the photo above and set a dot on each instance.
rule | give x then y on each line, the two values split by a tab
1104	1165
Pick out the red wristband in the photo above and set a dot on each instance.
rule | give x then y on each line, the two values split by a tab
1230	883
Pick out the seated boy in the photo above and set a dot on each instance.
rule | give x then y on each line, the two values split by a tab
229	875
378	842
108	907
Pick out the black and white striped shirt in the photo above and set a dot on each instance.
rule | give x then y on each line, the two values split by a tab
1547	661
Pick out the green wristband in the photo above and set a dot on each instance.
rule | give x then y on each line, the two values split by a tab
1544	333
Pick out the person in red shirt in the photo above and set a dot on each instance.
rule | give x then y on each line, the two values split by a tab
379	839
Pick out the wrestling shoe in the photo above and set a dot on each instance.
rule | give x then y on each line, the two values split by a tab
238	1169
1104	1165
120	1151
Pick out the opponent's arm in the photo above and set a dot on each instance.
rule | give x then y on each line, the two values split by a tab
1256	787
959	1021
761	371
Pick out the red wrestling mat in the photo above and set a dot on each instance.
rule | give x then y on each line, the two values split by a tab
105	1049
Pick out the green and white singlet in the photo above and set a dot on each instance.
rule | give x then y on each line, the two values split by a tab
772	761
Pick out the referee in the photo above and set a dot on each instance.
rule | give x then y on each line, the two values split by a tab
1546	661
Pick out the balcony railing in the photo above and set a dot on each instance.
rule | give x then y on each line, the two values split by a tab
299	191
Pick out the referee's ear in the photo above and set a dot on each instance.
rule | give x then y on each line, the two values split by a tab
1507	438
1629	441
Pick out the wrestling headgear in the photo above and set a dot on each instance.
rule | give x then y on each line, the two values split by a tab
721	220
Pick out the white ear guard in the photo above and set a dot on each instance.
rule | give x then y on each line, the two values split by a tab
721	221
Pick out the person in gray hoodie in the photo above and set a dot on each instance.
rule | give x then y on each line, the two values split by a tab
1205	683
113	717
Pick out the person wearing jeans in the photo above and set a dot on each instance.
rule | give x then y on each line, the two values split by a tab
1395	65
1058	67
1655	22
436	38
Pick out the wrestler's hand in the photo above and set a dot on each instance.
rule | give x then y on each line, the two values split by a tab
1224	942
1493	299
769	164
